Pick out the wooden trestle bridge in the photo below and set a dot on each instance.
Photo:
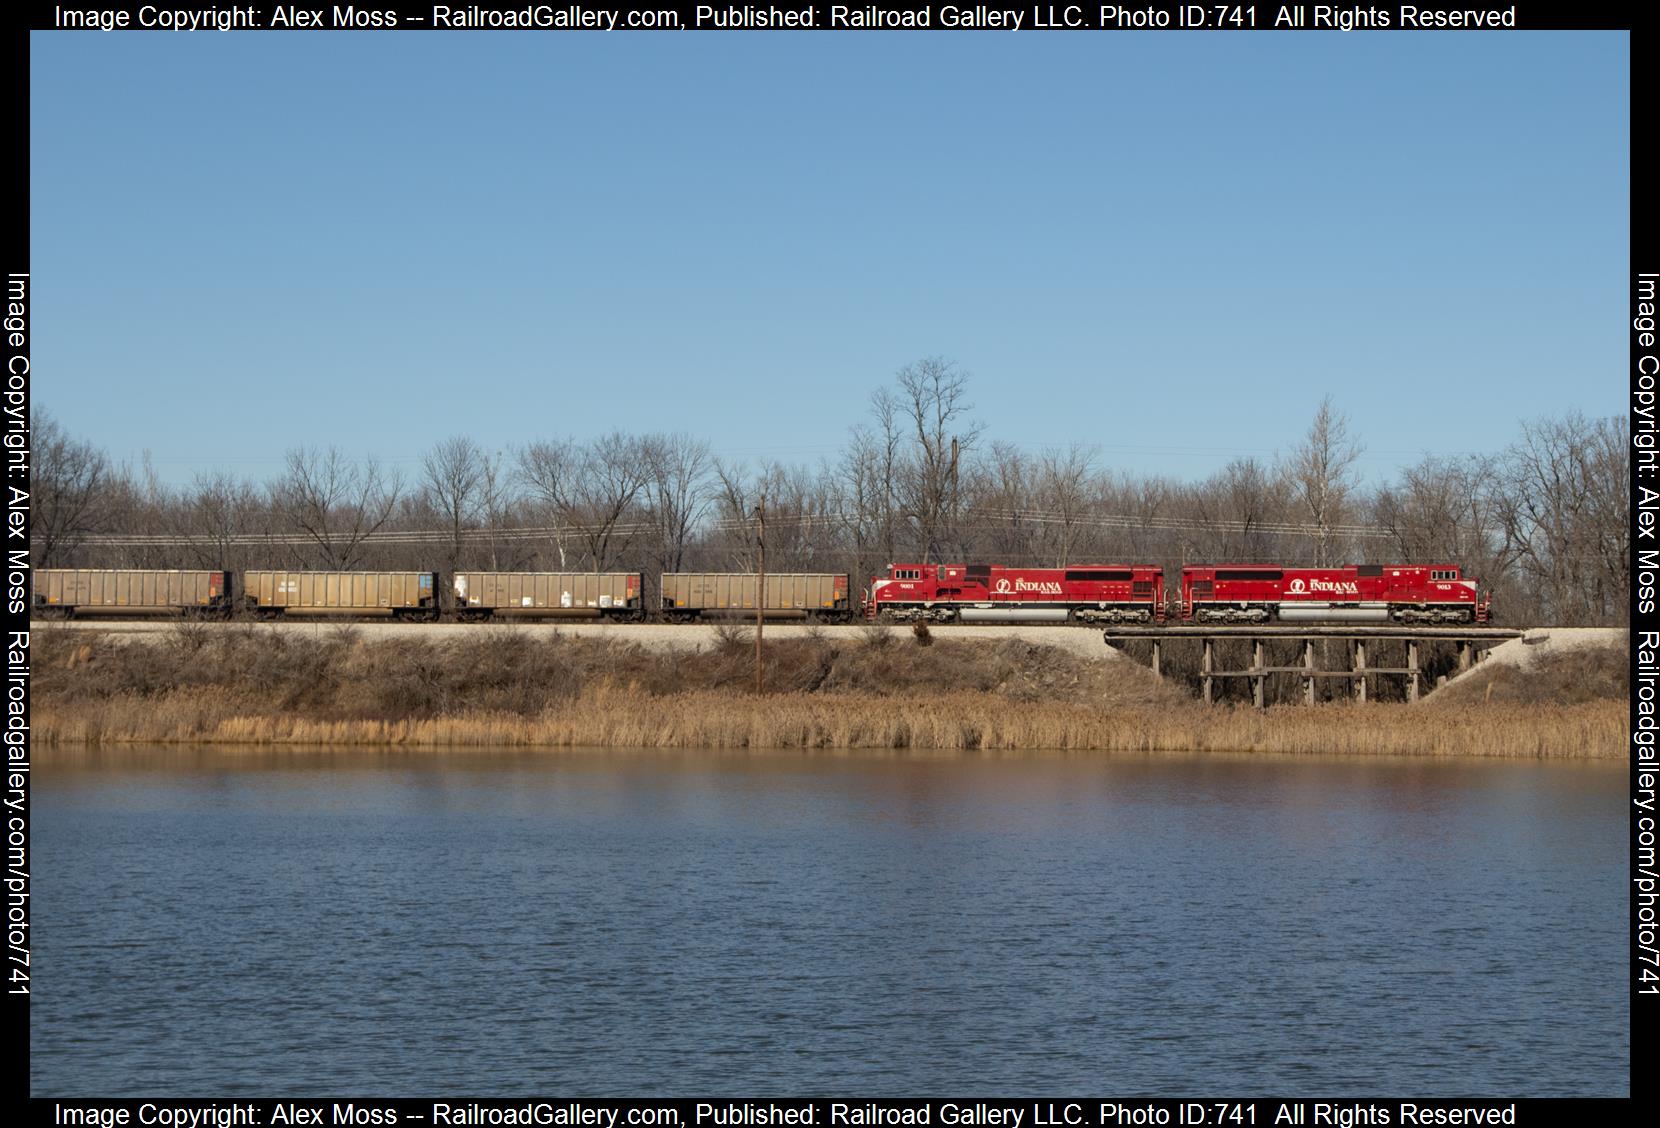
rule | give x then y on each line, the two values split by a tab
1472	643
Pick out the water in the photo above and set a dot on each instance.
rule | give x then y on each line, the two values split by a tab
696	924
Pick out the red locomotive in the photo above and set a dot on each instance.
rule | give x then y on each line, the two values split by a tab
1356	593
992	593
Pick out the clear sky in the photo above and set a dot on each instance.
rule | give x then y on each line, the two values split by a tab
1170	246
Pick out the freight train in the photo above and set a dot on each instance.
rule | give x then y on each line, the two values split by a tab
925	593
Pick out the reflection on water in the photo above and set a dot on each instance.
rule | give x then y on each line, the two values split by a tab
392	922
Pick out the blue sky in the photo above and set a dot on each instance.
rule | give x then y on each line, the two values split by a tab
1167	245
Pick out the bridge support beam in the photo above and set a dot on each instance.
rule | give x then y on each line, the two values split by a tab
1361	671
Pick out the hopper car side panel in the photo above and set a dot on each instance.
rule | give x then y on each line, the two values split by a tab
141	591
487	595
405	595
789	595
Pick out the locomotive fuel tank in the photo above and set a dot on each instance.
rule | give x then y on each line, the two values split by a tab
1325	613
1012	614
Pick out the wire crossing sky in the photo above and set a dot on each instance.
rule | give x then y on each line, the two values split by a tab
1167	246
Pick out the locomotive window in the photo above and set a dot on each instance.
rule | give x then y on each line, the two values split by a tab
1098	574
1249	574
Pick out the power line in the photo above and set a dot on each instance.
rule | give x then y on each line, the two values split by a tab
985	519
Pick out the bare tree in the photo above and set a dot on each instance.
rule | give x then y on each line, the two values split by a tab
1235	505
735	498
131	502
334	501
1440	510
1320	472
803	518
66	480
863	500
546	469
498	501
590	489
934	398
678	466
212	517
453	476
1562	497
998	497
1063	500
889	460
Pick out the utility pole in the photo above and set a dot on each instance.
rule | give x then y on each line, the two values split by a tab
760	584
953	487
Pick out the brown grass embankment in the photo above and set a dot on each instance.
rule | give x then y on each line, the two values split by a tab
1572	676
515	688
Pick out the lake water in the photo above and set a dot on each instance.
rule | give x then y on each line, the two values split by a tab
681	924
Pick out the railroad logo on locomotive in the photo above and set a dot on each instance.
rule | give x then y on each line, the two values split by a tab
1329	587
1042	587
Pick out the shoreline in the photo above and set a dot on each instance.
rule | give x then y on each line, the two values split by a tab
879	690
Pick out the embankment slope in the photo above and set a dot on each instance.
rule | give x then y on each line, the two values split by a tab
863	688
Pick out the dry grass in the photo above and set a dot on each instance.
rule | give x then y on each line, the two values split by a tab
612	717
498	688
1560	677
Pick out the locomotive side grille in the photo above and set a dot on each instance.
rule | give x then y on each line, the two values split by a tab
1203	590
1142	588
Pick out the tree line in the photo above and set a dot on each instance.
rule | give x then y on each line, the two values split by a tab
1544	523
